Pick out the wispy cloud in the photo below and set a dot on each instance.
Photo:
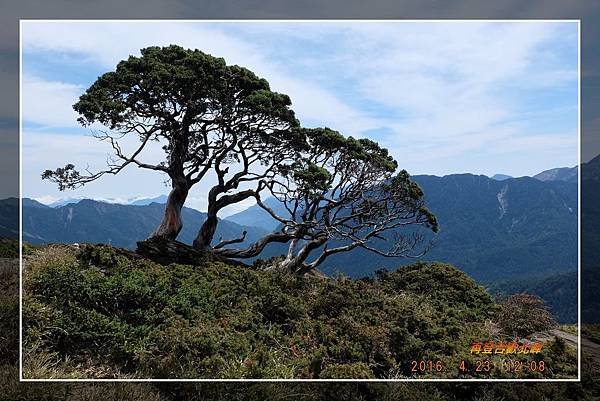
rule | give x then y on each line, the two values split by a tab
48	103
444	97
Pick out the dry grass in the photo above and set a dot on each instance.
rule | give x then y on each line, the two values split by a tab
39	363
9	277
13	390
569	328
52	255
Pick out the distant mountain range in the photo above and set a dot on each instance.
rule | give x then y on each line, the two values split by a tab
258	217
590	240
493	230
133	201
9	217
255	215
590	216
568	174
509	232
500	177
555	174
119	225
498	230
148	201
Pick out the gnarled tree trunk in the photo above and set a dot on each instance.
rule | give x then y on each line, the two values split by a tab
209	227
171	223
294	262
206	233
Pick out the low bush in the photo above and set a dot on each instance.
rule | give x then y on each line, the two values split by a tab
105	313
9	247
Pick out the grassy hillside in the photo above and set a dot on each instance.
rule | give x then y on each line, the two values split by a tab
12	389
97	312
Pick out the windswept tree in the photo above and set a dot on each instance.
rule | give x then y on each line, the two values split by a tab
208	117
343	194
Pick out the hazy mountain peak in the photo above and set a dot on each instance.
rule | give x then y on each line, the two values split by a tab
28	202
568	174
139	201
146	201
258	217
500	177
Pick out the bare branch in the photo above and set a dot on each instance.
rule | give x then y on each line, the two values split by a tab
222	242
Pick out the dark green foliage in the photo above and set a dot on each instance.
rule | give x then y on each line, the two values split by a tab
312	179
204	114
9	247
356	370
444	285
219	320
9	309
12	389
145	85
326	140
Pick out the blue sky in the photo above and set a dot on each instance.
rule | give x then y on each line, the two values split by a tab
449	97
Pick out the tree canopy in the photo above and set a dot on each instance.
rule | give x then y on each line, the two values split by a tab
342	194
205	114
219	120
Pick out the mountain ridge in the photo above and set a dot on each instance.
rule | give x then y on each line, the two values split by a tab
489	228
495	231
569	174
554	174
527	215
118	225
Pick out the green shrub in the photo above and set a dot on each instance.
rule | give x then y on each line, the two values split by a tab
130	317
347	371
9	247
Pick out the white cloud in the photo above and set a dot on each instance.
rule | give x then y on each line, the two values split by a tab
442	95
48	103
43	150
106	44
47	199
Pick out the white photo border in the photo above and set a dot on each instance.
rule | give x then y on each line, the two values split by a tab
484	380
